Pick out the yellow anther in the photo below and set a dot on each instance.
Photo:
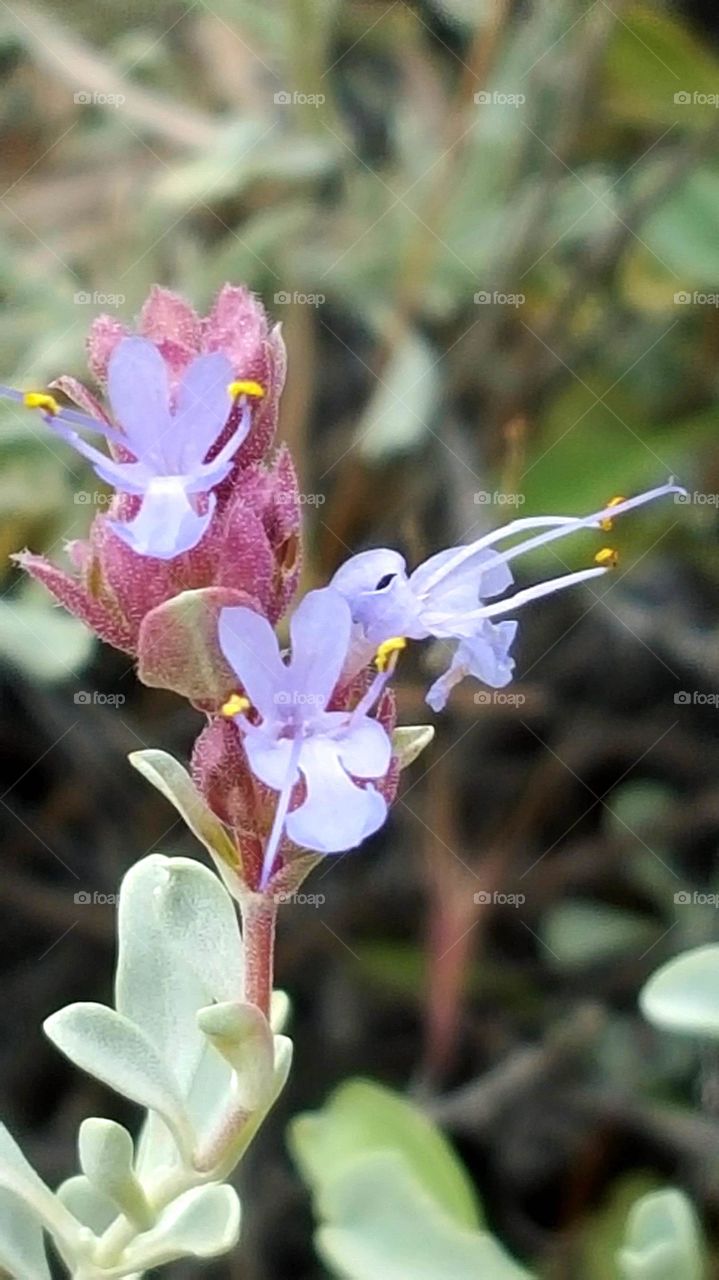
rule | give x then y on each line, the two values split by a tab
607	557
383	656
247	388
235	705
607	525
40	400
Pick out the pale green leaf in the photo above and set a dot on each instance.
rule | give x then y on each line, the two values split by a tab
364	1118
663	1240
378	1220
683	995
115	1050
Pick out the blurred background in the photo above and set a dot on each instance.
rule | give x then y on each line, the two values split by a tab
490	229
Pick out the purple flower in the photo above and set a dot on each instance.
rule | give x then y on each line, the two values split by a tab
163	442
292	737
446	597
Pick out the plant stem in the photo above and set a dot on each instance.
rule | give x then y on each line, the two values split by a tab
259	913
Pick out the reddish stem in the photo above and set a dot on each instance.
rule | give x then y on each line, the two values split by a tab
259	914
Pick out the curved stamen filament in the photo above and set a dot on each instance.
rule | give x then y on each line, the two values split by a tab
562	526
524	597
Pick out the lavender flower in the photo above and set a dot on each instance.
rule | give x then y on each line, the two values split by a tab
446	597
163	443
292	737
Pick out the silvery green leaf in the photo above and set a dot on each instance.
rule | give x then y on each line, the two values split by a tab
201	1223
19	1178
175	784
107	1157
87	1204
683	995
22	1247
379	1221
409	741
242	1034
152	989
663	1240
113	1049
199	918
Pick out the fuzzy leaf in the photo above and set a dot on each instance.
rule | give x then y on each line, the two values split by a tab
176	785
202	1223
88	1205
107	1156
22	1247
199	919
241	1033
153	990
113	1049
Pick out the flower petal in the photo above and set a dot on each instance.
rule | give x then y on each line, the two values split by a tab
462	587
139	394
337	814
485	656
320	632
364	572
250	646
363	746
202	409
376	587
269	757
166	524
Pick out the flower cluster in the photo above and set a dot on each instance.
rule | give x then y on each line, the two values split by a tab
197	560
